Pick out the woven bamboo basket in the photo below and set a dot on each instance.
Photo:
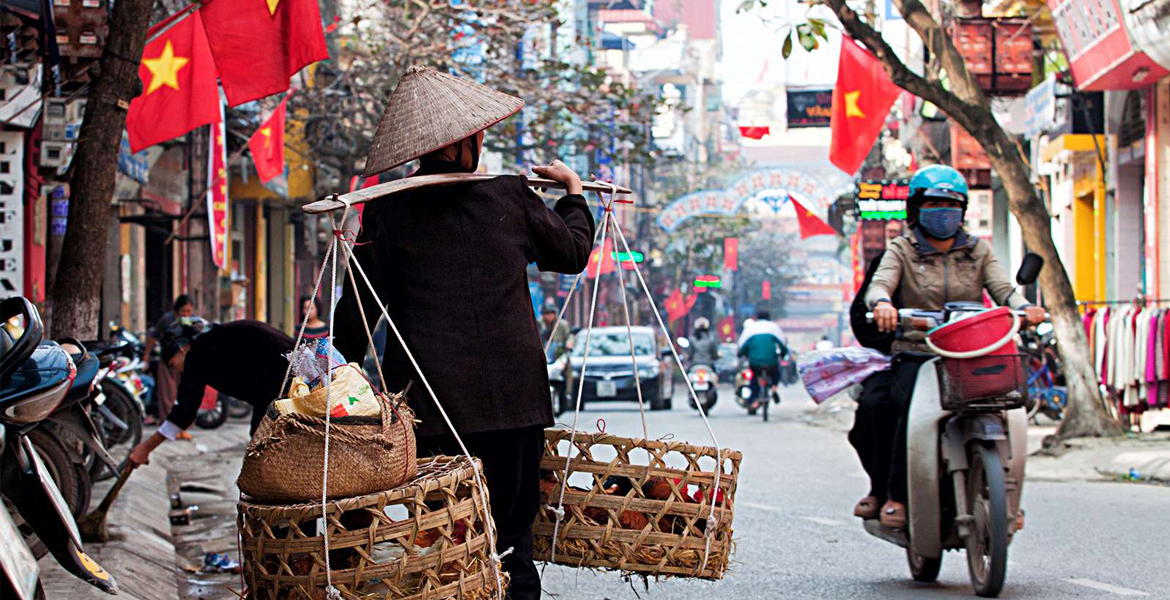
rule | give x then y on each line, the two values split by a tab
646	510
425	540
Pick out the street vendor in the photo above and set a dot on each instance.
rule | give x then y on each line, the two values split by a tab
450	263
242	359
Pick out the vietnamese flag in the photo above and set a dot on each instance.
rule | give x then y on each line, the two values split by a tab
260	44
178	85
730	254
678	305
861	101
601	260
810	223
755	133
267	145
727	329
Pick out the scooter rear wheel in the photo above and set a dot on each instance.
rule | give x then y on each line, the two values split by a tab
923	569
987	542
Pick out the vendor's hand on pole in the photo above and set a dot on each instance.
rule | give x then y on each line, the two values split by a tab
140	455
559	171
1035	315
886	316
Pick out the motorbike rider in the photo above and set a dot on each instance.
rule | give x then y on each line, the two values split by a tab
934	263
762	343
704	345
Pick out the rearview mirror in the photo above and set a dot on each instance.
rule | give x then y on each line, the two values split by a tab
1029	269
683	343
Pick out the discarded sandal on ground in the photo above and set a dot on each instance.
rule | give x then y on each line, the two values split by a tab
894	515
868	508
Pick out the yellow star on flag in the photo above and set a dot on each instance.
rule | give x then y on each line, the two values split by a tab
267	133
272	4
164	69
851	109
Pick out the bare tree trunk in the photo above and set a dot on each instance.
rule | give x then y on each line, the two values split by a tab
1086	414
76	293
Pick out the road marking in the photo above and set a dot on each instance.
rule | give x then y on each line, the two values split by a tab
758	506
1113	589
822	521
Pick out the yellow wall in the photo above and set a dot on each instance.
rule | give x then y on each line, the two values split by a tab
1089	235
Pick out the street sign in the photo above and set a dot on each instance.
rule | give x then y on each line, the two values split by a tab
625	256
708	281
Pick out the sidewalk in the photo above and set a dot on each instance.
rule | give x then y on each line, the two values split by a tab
1084	459
141	551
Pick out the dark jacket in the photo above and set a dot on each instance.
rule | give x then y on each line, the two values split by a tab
866	332
241	359
450	262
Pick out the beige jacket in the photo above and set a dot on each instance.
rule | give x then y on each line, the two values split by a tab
927	278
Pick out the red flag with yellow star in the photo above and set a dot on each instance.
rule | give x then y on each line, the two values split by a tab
727	329
267	145
179	92
260	44
810	223
861	101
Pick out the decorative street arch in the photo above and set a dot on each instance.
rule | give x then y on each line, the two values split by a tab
769	183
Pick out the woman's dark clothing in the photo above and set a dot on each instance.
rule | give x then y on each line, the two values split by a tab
450	263
511	465
879	426
242	359
312	333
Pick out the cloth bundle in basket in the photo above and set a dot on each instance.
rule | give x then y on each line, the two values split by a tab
647	509
366	454
426	540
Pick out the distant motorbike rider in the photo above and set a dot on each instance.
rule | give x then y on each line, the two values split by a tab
762	342
705	346
934	263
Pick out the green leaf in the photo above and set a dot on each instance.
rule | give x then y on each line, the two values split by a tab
818	28
786	50
745	6
807	41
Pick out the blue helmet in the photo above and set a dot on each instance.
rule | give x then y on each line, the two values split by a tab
935	181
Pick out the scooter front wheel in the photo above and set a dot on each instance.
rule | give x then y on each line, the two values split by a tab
923	569
987	542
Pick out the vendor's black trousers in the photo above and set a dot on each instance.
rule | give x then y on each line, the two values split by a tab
511	464
879	426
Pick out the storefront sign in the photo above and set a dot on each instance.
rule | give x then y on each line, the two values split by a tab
1098	48
881	199
809	108
1040	108
1148	22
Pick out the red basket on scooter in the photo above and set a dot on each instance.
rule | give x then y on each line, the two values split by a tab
992	371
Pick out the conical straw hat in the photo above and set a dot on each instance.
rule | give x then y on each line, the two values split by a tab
430	110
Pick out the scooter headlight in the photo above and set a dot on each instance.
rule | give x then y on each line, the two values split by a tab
648	372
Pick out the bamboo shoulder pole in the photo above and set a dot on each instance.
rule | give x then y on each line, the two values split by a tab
398	186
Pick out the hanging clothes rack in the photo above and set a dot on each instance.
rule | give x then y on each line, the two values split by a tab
1138	300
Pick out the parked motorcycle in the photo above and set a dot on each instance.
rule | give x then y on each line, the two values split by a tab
35	379
1047	390
19	573
966	442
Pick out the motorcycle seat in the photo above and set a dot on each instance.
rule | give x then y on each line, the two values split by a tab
87	369
47	367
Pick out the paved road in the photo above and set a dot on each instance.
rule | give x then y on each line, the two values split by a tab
797	538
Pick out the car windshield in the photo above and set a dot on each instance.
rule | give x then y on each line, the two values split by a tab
613	343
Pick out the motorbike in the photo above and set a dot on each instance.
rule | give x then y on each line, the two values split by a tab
704	379
19	572
966	447
35	379
753	389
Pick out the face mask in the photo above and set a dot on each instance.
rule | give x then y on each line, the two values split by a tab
941	223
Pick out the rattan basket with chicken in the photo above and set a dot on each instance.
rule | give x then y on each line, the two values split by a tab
638	506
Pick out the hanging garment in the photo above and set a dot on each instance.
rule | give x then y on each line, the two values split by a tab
1101	343
1141	336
